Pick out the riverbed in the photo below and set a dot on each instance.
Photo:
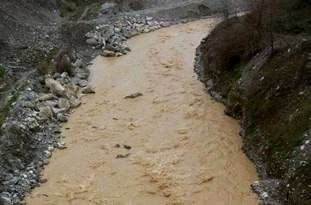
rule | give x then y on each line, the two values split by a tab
168	142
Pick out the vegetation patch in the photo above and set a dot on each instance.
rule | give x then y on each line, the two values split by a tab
75	8
2	71
4	110
47	64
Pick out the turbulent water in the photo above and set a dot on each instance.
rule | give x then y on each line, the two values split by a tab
173	145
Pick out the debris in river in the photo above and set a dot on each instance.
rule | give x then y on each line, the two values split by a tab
127	147
121	156
182	131
134	95
207	180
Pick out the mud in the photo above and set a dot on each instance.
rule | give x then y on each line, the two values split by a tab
172	145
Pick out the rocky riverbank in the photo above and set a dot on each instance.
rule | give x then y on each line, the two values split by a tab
32	129
263	78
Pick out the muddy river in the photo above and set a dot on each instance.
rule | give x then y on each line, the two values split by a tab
171	146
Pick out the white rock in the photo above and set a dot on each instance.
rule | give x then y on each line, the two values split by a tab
88	90
264	195
55	87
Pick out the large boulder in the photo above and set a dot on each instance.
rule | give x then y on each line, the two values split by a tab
55	87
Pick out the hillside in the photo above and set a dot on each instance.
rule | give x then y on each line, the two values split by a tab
259	65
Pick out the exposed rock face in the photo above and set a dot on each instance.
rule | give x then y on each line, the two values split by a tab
268	91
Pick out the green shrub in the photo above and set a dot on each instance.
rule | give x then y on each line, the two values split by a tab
2	71
66	7
47	65
6	107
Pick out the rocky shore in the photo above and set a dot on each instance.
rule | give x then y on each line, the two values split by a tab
32	129
111	38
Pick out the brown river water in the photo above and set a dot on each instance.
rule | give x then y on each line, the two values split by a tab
171	146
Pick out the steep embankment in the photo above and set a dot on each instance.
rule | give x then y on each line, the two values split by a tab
269	90
27	32
169	143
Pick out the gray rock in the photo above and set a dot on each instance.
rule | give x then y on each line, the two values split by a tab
78	64
55	87
82	73
118	54
51	103
28	104
64	76
46	97
108	53
32	123
149	18
117	30
83	83
57	110
5	200
146	30
92	41
133	33
88	90
61	117
74	102
61	145
46	112
71	89
89	35
107	6
96	39
64	104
